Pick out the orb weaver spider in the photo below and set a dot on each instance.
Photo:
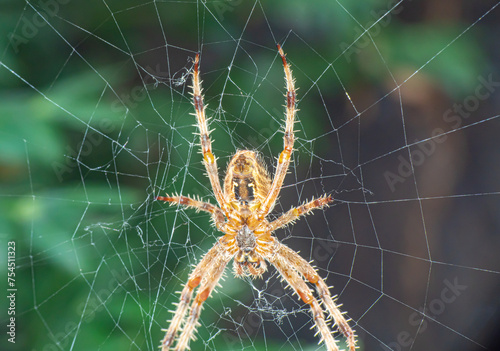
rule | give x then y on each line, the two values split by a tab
244	202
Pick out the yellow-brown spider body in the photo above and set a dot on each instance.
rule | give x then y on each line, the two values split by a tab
245	200
246	185
247	180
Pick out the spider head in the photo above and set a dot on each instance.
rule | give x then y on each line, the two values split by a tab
246	179
245	240
247	261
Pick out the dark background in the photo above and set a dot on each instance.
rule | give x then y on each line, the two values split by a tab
95	122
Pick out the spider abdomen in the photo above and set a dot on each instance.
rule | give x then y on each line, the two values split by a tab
247	180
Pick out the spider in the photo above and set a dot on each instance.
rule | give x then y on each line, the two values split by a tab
244	202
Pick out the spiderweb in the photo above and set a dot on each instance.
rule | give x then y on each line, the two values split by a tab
398	121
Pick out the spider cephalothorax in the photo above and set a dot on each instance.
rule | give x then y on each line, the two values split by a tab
244	202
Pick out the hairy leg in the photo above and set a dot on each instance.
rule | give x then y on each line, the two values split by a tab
294	213
209	159
208	283
293	259
216	212
293	278
288	140
215	257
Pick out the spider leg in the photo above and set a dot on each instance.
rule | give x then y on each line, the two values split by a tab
208	273
288	140
216	212
209	159
294	213
208	283
293	259
290	274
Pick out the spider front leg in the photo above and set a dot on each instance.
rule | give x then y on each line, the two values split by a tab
293	278
208	283
206	275
293	259
288	139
